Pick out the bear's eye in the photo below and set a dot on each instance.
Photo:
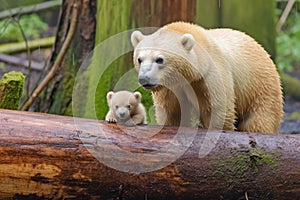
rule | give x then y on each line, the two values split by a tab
159	60
140	60
117	107
128	107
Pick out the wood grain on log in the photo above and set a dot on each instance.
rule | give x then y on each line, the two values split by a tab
43	157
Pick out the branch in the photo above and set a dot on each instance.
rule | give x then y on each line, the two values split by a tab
18	61
284	15
58	61
29	9
28	55
16	47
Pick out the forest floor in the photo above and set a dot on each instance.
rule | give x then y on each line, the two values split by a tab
291	123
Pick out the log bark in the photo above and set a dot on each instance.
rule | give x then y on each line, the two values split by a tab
43	156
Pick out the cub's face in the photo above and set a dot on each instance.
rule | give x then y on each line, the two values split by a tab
122	103
155	56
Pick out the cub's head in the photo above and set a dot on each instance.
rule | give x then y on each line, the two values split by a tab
123	103
163	57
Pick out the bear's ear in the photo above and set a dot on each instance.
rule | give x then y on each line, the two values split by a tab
188	41
135	97
136	37
109	96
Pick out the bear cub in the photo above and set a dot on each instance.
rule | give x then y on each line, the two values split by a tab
125	108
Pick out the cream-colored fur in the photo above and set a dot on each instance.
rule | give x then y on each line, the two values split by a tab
125	108
233	78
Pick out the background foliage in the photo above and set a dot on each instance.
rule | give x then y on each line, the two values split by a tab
288	43
32	25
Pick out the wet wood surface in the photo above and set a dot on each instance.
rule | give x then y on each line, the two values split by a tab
46	156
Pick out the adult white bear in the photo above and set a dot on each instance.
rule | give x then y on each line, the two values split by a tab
228	70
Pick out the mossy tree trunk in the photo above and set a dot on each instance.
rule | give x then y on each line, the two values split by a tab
11	90
57	96
255	17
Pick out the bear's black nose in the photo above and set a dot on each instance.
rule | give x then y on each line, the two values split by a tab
144	80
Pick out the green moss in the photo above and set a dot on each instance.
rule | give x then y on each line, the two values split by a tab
244	163
260	158
11	90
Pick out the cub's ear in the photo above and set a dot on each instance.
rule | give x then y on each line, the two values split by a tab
188	41
109	96
136	37
135	97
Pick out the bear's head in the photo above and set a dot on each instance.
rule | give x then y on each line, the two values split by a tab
123	103
164	58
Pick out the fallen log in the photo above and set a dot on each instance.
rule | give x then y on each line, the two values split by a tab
17	47
46	156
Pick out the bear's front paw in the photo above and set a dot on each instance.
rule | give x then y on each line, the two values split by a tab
112	120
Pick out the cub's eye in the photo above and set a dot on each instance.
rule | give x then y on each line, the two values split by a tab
117	107
140	60
128	107
159	60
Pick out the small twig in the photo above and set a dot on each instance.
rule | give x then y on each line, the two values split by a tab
29	9
28	55
58	60
246	196
284	15
4	26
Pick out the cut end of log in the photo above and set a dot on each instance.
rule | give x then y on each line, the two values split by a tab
11	90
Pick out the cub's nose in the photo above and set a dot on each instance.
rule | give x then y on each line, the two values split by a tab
122	114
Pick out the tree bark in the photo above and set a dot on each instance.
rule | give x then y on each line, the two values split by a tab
43	156
57	96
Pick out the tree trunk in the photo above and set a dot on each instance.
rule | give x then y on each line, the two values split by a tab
48	157
57	96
